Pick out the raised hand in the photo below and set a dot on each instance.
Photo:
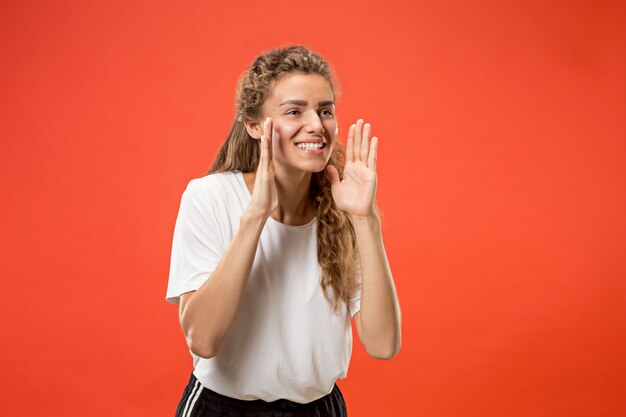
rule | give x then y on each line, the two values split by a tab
264	196
355	193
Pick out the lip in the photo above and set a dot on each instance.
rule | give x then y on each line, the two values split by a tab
311	140
313	151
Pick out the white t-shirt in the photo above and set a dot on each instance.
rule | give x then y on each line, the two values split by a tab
286	341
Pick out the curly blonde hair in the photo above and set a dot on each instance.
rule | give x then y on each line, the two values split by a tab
336	239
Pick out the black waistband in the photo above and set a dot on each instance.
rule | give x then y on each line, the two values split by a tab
258	405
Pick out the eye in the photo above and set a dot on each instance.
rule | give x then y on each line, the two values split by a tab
326	112
294	112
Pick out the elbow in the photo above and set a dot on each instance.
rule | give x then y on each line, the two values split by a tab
384	352
202	352
201	348
384	348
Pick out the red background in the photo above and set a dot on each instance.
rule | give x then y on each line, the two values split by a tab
502	180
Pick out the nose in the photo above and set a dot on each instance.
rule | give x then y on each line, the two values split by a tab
314	123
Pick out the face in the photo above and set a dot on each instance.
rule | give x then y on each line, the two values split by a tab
305	128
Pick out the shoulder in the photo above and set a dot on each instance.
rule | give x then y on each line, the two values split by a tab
212	186
209	181
218	193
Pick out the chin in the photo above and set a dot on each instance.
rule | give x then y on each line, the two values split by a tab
313	168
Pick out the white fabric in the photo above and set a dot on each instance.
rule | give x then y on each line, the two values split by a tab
286	341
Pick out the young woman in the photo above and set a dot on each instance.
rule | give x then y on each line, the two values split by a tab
277	247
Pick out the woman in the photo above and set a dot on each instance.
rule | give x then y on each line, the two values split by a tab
277	247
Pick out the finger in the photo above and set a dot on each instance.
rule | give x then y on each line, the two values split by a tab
265	150
371	161
333	175
357	139
270	138
365	142
349	144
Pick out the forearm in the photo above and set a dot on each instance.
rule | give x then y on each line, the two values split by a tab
380	311
211	310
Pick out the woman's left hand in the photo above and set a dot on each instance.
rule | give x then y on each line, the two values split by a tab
355	193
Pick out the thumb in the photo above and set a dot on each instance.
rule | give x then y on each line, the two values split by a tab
333	175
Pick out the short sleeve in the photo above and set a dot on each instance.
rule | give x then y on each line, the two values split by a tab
355	299
197	246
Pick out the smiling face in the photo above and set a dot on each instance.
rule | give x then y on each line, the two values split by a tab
305	128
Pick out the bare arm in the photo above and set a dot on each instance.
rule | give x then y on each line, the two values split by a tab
378	321
207	314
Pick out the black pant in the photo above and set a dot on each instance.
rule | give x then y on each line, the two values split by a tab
199	401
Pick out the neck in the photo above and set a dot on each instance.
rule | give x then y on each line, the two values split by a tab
294	204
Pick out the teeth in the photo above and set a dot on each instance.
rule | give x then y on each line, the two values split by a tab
310	146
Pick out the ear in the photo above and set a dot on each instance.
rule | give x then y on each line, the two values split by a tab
254	129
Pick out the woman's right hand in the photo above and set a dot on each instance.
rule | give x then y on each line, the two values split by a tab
264	199
207	314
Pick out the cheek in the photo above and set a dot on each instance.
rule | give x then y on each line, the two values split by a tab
283	132
330	125
332	128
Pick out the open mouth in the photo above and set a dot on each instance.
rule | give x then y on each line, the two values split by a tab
311	146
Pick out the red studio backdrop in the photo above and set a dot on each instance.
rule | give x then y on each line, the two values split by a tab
502	169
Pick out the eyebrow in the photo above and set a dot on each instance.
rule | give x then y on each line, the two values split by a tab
304	103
